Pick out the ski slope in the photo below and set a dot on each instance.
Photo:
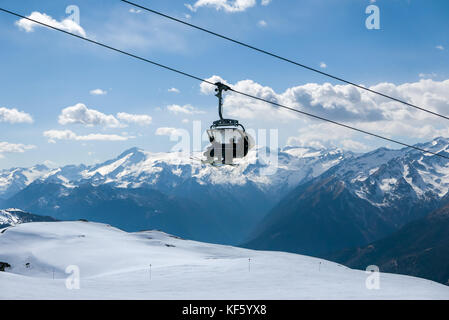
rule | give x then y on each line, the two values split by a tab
114	264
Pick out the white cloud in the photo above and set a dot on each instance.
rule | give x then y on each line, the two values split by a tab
167	131
262	23
323	65
80	114
14	116
6	147
345	103
53	135
186	109
265	2
338	102
239	106
440	47
132	10
226	5
207	88
174	90
67	24
140	119
98	92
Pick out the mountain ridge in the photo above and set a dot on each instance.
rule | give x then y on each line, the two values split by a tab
390	187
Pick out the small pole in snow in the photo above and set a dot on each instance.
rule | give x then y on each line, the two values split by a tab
249	264
319	267
53	273
150	272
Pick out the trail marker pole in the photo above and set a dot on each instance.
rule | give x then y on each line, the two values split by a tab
150	272
249	264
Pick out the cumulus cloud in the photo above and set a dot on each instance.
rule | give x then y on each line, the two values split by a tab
186	109
80	114
67	24
346	104
6	147
265	2
140	119
207	88
167	131
440	47
226	5
14	116
239	106
338	102
53	135
323	65
98	92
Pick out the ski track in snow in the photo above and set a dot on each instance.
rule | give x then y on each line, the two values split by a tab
116	265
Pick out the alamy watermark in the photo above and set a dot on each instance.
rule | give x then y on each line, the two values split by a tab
73	281
372	22
372	282
73	13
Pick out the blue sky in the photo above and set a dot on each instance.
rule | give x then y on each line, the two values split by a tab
48	77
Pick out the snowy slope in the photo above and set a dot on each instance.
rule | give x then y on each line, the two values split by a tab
115	265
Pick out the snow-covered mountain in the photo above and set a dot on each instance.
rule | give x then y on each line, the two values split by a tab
381	177
15	179
13	217
135	168
113	264
358	201
385	177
